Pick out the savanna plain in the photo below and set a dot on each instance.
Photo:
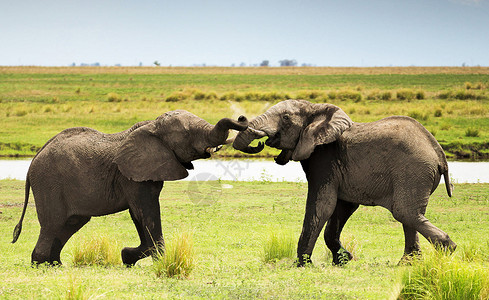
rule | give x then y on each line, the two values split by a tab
231	234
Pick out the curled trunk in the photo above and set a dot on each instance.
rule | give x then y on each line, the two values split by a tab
244	138
220	131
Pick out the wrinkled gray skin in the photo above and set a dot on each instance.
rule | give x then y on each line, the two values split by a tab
394	162
81	173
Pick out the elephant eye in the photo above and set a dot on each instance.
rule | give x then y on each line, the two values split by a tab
286	117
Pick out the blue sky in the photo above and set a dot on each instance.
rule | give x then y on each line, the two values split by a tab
223	33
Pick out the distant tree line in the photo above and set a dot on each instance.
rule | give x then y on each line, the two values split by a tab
97	64
264	63
288	63
284	63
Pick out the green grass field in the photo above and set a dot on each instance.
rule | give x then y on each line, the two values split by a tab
229	238
37	103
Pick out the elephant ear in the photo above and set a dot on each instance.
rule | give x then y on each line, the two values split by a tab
144	156
326	127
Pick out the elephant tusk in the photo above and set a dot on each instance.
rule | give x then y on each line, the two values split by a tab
230	140
213	149
257	132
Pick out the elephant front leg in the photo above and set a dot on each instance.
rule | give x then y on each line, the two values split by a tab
319	207
130	255
145	213
336	222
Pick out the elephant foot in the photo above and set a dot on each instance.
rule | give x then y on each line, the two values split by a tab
303	260
131	255
445	245
41	258
342	257
450	246
37	264
409	258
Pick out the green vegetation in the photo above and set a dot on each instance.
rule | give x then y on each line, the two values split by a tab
178	258
228	239
472	132
37	103
97	250
443	276
278	246
226	256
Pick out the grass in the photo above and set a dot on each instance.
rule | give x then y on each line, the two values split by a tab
97	250
228	235
472	132
443	276
475	252
249	70
37	103
348	242
75	290
278	246
177	260
228	241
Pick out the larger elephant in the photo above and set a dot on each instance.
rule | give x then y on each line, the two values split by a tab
394	162
81	173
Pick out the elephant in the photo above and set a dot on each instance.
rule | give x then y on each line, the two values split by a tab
393	162
82	173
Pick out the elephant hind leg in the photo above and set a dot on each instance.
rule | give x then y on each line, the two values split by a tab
47	249
52	240
413	218
411	244
434	235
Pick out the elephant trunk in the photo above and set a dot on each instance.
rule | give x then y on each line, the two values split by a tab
244	138
220	131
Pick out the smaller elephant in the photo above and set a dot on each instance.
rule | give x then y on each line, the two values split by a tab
394	162
81	173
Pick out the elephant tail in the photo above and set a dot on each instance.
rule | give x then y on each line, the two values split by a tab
446	177
18	227
448	184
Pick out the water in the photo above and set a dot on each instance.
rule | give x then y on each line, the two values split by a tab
14	169
249	170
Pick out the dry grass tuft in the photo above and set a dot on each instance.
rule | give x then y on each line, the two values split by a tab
100	250
177	260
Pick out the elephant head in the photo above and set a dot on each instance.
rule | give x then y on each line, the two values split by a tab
296	127
163	149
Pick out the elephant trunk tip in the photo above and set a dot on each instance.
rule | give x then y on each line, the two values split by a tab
241	125
255	149
243	140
